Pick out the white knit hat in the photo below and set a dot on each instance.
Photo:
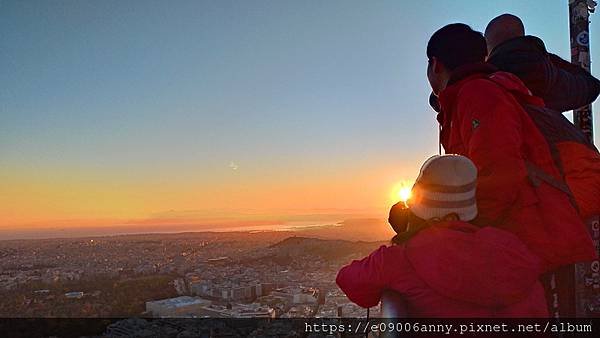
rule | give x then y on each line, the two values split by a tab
446	184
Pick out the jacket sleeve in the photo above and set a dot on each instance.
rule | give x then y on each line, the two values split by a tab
364	280
491	130
569	86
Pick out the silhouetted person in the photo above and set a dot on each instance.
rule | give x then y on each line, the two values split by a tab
562	85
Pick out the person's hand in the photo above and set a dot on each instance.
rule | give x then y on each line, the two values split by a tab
398	217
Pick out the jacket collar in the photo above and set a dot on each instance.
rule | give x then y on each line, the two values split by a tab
447	96
469	70
457	78
528	43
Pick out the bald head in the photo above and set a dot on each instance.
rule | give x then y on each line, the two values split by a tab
501	28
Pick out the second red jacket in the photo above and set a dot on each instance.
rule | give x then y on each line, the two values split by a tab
451	269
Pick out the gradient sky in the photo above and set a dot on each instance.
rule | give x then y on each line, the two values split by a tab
120	110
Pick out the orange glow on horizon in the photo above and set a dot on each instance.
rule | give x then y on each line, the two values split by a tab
70	199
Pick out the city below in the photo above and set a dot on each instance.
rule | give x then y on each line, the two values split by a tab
262	274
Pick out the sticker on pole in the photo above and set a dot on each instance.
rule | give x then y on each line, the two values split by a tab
583	38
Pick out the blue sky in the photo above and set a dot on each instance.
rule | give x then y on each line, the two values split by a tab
162	91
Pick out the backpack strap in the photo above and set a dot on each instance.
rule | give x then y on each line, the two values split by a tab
537	175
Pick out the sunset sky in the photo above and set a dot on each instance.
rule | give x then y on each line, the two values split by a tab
116	112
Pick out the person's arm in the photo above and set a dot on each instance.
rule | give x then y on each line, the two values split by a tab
569	86
491	130
363	281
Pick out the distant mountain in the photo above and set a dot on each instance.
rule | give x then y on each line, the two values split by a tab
357	229
299	241
323	248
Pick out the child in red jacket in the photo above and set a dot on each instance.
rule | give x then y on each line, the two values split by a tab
443	266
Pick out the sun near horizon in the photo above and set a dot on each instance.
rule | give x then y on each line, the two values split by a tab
401	192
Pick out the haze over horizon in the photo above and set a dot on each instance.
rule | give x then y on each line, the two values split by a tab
198	112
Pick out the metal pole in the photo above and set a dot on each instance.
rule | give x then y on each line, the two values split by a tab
579	12
586	275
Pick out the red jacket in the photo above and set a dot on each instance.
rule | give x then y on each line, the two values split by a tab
452	269
482	119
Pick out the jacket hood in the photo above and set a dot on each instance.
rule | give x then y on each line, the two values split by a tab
486	266
478	71
463	74
511	83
